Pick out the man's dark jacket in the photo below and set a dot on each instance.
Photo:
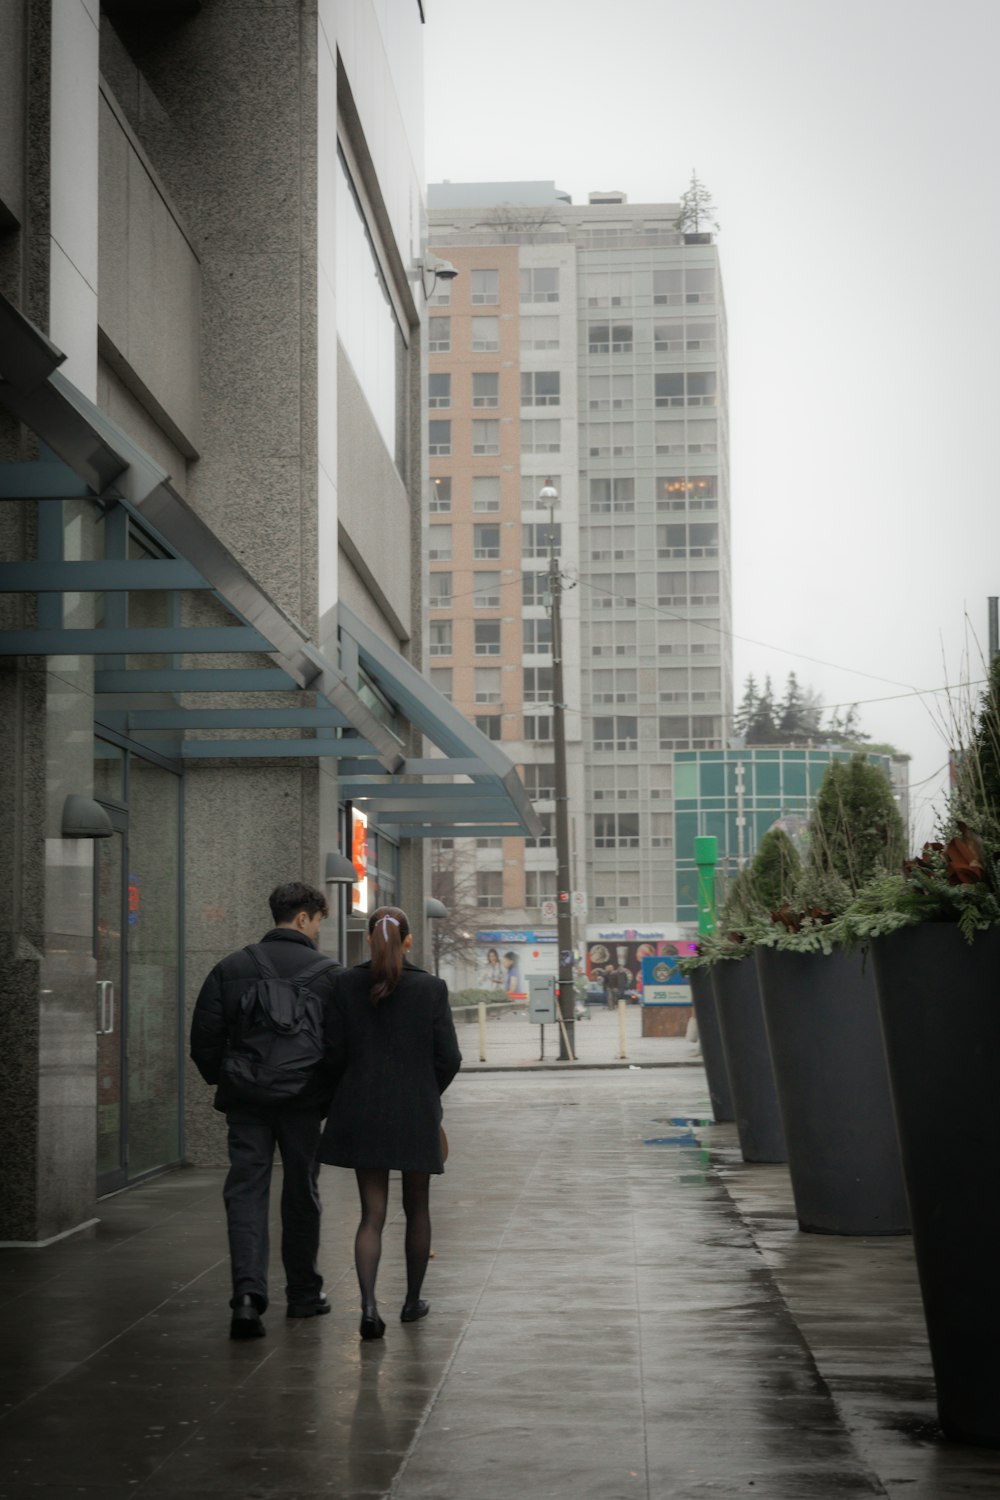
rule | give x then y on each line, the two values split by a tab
218	1003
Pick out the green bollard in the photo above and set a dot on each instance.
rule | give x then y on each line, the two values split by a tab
706	854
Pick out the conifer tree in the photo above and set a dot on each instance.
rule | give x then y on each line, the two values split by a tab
697	209
776	868
744	715
762	729
791	714
855	829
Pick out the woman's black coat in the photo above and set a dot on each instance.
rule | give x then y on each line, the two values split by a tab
395	1060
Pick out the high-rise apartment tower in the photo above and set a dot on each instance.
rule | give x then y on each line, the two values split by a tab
586	346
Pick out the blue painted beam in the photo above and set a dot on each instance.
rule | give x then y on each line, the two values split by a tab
463	831
196	680
426	791
161	642
47	480
93	577
273	749
146	719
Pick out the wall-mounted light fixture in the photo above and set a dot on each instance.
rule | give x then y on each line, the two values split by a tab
339	870
435	909
83	818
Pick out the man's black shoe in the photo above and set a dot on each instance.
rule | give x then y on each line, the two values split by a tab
314	1307
246	1320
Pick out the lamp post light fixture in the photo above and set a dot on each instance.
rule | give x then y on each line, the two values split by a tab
564	912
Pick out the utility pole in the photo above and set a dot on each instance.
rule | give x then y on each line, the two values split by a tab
741	819
994	627
564	911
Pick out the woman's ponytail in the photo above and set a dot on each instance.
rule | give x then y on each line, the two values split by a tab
388	928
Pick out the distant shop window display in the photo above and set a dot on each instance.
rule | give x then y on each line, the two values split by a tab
615	957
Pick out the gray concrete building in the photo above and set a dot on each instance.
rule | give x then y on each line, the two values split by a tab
211	597
621	337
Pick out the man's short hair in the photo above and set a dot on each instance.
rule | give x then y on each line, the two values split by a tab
286	901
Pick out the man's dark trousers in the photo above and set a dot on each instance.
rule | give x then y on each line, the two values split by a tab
253	1134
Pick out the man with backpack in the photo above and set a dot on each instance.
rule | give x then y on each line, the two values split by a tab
257	1034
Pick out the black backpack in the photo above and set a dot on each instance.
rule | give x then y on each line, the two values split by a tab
276	1043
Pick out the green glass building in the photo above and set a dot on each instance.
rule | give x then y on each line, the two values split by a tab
779	786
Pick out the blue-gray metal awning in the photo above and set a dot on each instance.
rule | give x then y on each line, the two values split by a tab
320	710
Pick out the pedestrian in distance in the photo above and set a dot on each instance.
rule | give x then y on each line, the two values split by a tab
391	1041
257	1035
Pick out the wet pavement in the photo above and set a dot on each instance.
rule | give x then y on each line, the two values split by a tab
620	1308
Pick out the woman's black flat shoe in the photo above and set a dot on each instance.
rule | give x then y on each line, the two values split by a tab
414	1311
372	1326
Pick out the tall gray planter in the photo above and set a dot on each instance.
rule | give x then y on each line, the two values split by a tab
940	1009
821	1014
751	1077
710	1040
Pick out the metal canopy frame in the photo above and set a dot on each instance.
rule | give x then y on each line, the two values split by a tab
86	456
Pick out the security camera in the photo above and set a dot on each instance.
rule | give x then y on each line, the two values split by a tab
443	270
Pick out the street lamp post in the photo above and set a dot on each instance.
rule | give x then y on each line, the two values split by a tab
564	913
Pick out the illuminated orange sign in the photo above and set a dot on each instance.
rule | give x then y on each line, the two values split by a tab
359	859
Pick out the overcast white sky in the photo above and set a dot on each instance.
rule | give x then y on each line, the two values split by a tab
851	147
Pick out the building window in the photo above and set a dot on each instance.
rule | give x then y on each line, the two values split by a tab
485	436
700	336
534	589
487	590
673	684
489	889
693	388
611	589
439	391
610	393
440	501
440	637
539	886
616	892
539	284
439	439
489	843
540	782
610	338
486	492
672	588
540	333
674	732
702	435
485	335
485	287
538	685
546	839
537	537
441	679
698	539
442	294
488	724
485	541
617	733
538	727
540	388
540	436
440	591
675	492
612	496
668	338
486	389
487	684
532	484
486	638
612	544
607	288
537	637
699	284
670	438
609	686
610	440
616	830
439	340
439	547
704	587
668	288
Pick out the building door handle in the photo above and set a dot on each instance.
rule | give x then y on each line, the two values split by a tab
106	1007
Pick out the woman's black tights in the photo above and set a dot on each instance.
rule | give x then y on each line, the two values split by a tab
373	1186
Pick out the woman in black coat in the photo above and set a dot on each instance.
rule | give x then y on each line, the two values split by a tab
391	1039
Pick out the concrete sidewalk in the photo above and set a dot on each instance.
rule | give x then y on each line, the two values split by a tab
620	1308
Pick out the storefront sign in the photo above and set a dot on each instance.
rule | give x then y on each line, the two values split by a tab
360	893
